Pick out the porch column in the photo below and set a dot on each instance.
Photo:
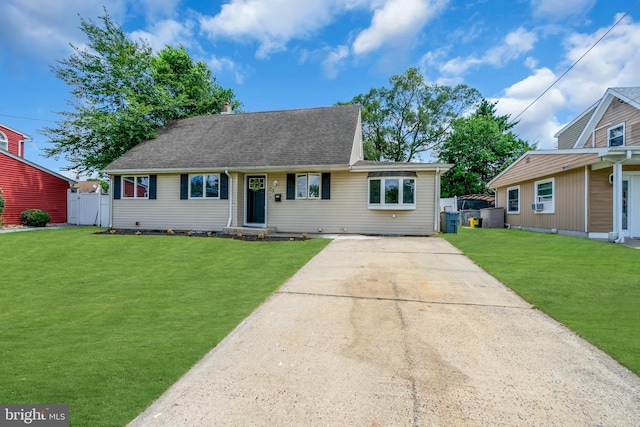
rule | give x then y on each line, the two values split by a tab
617	201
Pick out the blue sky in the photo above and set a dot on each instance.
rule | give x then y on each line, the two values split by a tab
288	54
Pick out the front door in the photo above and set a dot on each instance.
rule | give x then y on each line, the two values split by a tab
256	208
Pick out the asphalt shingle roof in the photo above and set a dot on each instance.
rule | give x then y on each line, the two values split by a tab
315	136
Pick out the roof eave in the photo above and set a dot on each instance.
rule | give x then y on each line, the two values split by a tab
390	166
242	169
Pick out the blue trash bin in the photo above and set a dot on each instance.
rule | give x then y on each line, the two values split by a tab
451	222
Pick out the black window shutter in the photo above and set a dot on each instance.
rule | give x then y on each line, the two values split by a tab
184	186
153	183
291	186
117	185
224	186
326	186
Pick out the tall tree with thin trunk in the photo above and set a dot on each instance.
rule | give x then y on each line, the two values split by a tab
409	118
122	93
479	147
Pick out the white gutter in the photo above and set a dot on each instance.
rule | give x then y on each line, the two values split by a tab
230	193
436	216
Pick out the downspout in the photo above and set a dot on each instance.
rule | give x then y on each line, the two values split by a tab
230	193
586	199
436	215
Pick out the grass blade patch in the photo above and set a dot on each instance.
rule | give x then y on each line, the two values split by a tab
106	323
591	287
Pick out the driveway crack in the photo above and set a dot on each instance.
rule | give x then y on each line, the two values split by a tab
398	299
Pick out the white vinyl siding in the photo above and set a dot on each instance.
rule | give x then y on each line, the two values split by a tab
347	211
168	211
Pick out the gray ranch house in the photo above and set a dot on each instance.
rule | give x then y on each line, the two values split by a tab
292	171
590	185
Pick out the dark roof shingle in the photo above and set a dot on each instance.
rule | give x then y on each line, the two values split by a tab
315	136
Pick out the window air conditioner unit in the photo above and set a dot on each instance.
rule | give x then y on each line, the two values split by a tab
537	206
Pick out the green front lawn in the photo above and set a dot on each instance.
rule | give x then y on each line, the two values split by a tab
591	287
106	323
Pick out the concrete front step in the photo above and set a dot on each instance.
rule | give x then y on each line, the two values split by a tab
249	231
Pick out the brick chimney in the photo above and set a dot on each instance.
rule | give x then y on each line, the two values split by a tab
226	108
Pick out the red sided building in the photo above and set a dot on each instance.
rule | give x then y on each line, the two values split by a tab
26	185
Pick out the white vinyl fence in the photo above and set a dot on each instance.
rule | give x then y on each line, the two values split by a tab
87	208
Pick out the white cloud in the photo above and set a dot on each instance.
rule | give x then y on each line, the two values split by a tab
167	32
559	9
31	29
536	125
43	30
271	22
334	60
396	22
226	65
614	62
515	44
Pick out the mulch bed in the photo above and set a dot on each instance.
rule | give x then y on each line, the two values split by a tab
215	234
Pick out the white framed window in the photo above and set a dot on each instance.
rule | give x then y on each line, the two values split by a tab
135	187
308	186
392	193
513	200
615	135
545	196
204	186
4	142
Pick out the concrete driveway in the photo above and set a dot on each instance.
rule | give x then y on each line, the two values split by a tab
399	332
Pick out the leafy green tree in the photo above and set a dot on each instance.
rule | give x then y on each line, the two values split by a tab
122	94
410	117
480	147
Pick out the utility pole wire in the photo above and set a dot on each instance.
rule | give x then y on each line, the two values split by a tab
575	63
26	118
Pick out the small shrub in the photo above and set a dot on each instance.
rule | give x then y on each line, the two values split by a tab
239	235
261	236
35	218
170	231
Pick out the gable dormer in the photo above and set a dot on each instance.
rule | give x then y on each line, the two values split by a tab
612	121
12	140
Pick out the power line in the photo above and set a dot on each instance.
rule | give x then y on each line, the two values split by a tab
576	62
27	118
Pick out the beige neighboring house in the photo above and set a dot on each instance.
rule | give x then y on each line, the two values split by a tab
289	171
87	186
590	185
